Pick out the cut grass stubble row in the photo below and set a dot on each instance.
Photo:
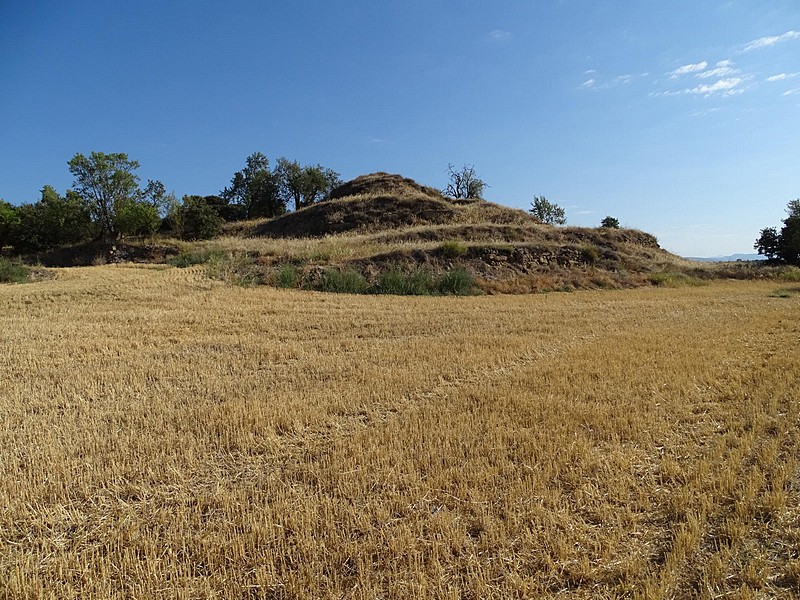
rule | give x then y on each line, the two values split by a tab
166	436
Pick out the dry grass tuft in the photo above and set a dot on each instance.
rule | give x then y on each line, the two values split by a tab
163	435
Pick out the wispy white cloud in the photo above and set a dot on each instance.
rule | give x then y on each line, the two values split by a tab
724	68
623	79
686	69
724	87
782	77
500	35
768	41
792	92
588	84
727	87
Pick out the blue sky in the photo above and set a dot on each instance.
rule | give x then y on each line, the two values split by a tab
676	117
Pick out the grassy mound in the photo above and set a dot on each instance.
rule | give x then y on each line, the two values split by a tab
384	184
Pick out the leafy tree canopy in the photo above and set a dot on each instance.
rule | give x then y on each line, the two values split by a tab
305	186
785	244
256	189
547	212
111	188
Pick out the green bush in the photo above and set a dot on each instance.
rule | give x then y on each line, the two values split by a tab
287	276
349	281
453	249
456	282
136	217
395	281
51	222
13	271
196	219
789	274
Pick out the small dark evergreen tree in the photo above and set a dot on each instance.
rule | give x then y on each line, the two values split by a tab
610	223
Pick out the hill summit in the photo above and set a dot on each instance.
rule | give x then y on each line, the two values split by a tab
382	202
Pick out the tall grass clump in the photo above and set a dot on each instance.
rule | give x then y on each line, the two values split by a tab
286	276
13	271
348	281
239	269
189	258
395	281
456	282
453	249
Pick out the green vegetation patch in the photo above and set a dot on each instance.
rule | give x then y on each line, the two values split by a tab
785	293
453	249
286	276
418	282
348	281
13	271
195	257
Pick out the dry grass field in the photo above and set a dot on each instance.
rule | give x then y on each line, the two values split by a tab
166	436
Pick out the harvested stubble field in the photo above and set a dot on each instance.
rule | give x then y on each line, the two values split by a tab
165	436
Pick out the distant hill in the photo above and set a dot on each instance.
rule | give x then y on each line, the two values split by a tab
730	258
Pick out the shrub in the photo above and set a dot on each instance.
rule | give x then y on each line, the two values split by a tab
349	281
197	257
417	283
51	222
13	271
789	274
456	282
590	254
135	217
287	276
198	219
453	249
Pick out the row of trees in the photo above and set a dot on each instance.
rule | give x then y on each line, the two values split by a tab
783	244
107	202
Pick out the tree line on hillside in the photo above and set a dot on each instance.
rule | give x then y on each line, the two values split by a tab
783	244
107	202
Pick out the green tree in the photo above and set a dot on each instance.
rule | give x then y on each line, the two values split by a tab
135	217
304	186
786	244
111	188
464	183
224	208
51	222
8	219
198	219
547	212
610	223
256	189
789	244
768	243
